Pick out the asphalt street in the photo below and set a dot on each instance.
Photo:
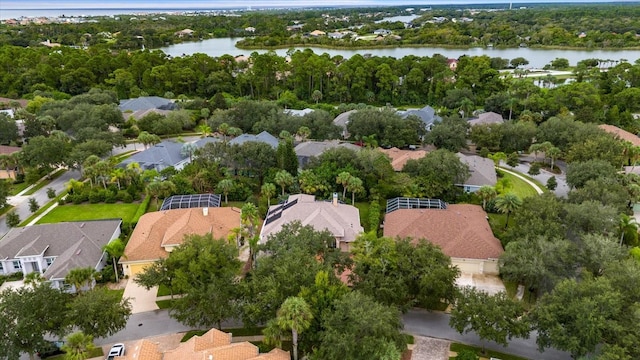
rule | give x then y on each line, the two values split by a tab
416	322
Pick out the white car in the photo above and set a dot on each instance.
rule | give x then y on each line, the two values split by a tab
116	350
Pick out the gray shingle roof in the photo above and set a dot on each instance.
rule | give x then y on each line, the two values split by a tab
316	148
482	170
427	114
146	103
342	119
164	154
486	118
74	244
264	137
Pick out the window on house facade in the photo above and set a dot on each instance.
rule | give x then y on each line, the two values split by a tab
1	267
49	261
17	265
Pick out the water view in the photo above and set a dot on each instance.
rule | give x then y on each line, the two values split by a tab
537	57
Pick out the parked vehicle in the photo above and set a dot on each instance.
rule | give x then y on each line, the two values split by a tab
116	350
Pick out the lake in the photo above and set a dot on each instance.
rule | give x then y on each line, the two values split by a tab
537	57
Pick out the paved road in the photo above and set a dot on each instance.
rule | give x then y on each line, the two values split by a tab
21	203
562	190
436	324
418	322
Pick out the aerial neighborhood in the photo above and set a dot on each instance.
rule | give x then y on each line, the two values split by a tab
310	206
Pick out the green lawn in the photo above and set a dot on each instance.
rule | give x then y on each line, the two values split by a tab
17	188
90	212
519	186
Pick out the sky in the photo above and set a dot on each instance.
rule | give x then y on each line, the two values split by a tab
216	4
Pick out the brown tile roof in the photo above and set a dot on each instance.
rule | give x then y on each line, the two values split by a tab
168	228
7	150
142	350
275	354
400	157
214	344
622	134
461	230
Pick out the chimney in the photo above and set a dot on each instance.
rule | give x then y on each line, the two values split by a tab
335	199
205	211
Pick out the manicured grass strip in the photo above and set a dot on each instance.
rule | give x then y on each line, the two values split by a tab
45	182
165	304
81	212
519	187
526	176
17	188
5	209
163	290
457	347
43	208
118	158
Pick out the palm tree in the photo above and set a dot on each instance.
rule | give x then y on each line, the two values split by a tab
78	346
343	179
295	315
116	175
133	172
225	186
154	189
188	149
535	149
507	204
34	279
628	227
304	133
223	129
284	179
355	186
79	277
249	219
204	129
115	249
74	186
268	191
553	153
310	183
486	193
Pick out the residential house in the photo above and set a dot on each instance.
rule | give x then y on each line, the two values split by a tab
462	231
264	137
250	29
191	201
8	172
294	112
341	220
309	149
158	233
139	114
486	118
146	103
159	156
453	64
427	115
55	249
621	134
6	103
383	32
482	172
214	344
317	33
9	112
336	35
183	33
295	27
399	157
342	121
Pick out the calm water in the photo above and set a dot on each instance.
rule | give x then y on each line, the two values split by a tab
537	57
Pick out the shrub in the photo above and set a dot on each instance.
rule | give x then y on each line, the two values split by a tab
552	183
110	198
534	169
51	193
124	196
95	197
466	355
